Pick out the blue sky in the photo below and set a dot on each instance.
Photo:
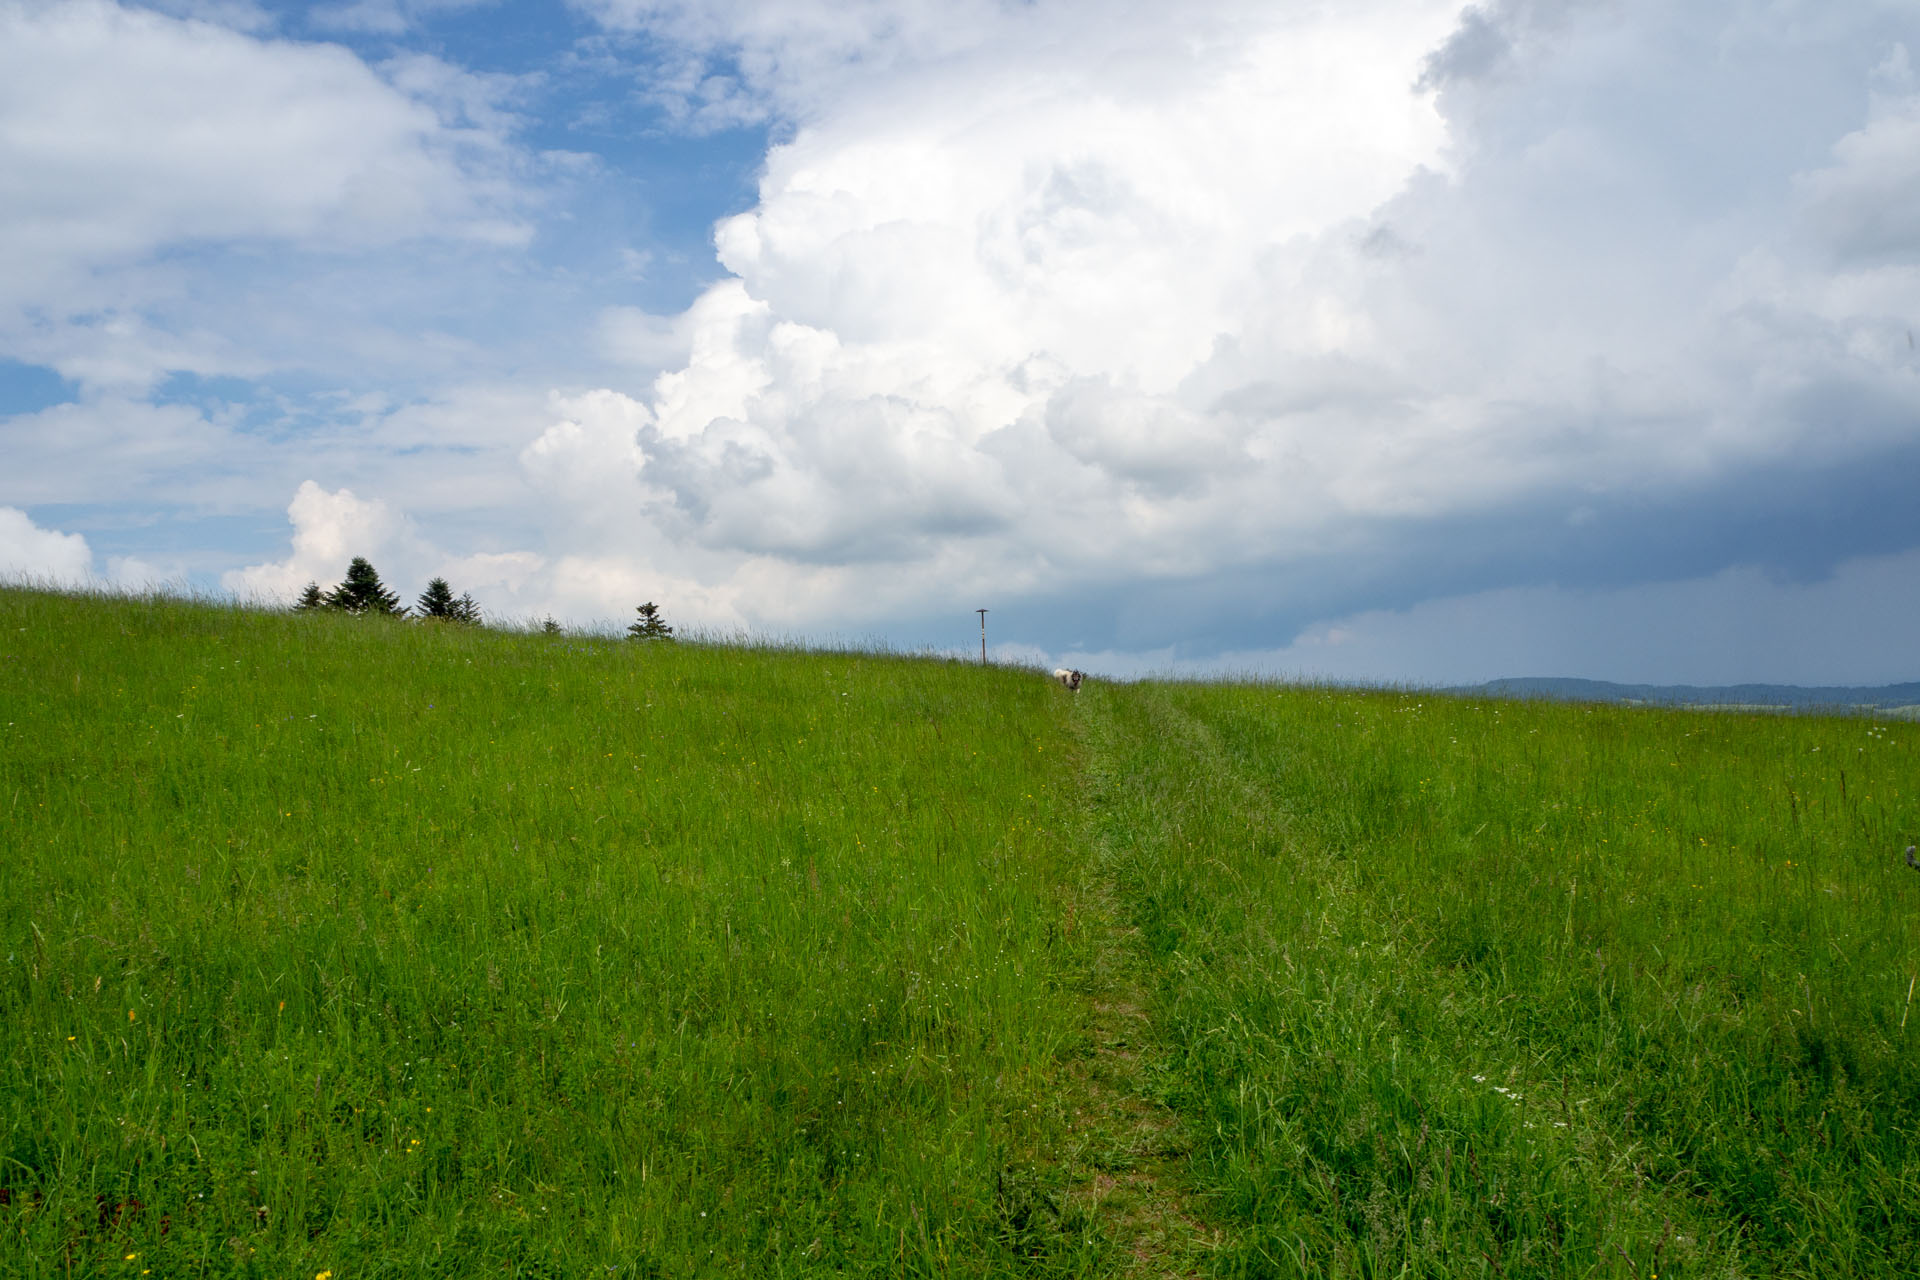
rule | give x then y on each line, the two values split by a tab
1393	340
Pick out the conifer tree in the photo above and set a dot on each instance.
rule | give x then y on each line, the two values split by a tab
550	627
311	599
650	625
363	592
436	601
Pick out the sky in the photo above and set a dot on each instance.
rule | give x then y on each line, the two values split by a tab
1380	340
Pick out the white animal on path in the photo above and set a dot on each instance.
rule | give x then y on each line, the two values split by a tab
1069	677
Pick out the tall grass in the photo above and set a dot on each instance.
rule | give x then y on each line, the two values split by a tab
340	944
1495	988
337	944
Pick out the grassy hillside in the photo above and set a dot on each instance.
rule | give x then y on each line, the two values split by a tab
1495	988
339	945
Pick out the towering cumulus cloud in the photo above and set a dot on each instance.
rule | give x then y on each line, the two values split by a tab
1217	329
1337	305
998	249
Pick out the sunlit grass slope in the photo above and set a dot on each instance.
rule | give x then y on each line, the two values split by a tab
336	944
346	945
1490	988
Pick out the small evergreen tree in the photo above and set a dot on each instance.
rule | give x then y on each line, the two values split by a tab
311	599
363	592
650	625
436	601
549	627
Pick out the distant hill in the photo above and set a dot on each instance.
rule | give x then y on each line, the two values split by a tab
1898	699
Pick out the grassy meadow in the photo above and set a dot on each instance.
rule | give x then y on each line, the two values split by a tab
341	945
1520	989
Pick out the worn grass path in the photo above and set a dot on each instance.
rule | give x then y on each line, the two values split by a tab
1129	1154
1130	1150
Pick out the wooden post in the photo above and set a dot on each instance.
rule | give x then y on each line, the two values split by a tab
983	636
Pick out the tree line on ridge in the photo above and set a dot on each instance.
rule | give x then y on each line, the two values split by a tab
362	592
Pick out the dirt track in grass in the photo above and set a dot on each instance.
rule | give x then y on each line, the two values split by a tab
1129	1153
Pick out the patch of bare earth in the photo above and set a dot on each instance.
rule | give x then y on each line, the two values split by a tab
1128	1155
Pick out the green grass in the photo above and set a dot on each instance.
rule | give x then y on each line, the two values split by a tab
339	944
336	944
1484	988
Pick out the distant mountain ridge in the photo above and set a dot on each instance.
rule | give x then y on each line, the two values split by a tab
1785	697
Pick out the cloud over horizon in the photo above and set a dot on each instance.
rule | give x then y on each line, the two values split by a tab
1191	332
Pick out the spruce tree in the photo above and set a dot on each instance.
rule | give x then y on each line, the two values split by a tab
436	601
363	592
311	599
550	627
466	609
650	625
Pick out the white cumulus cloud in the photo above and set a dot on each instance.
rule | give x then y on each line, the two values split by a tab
329	530
126	133
1221	323
30	553
1065	295
978	276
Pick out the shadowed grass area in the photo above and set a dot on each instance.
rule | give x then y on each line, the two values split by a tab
341	944
1492	988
